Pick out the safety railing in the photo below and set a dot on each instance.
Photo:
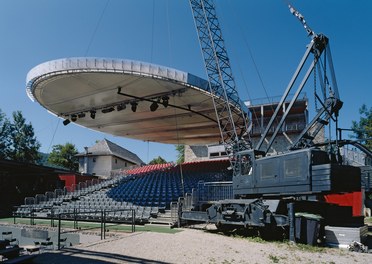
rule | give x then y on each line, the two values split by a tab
103	221
102	216
214	191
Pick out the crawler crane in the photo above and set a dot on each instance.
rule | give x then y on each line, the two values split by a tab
269	190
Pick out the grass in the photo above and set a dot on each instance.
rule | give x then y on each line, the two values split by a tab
249	234
305	247
255	239
273	258
252	236
94	225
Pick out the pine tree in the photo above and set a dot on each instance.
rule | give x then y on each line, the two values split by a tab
363	128
5	140
158	160
25	147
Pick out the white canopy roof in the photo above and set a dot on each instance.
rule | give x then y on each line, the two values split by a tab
92	92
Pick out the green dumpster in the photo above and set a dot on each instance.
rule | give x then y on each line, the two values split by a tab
307	227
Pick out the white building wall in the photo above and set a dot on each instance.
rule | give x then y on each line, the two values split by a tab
196	153
117	163
102	165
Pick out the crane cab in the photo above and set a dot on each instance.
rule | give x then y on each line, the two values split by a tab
305	171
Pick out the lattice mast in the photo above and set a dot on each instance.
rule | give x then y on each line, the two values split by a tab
233	126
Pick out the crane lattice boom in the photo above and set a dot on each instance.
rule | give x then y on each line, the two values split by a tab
221	80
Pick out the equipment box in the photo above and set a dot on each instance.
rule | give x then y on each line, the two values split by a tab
342	237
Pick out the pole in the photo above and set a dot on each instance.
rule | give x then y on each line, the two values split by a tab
101	224
51	217
32	222
59	231
75	221
14	216
291	220
133	220
104	224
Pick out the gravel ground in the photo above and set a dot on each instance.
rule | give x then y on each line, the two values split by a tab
195	246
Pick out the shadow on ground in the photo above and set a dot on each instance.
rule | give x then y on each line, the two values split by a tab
81	256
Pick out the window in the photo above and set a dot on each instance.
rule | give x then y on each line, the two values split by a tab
245	165
116	161
94	159
269	169
293	167
217	154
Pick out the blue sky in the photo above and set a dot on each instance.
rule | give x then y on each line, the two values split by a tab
162	32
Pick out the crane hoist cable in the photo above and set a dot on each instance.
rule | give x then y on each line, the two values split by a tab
96	28
152	30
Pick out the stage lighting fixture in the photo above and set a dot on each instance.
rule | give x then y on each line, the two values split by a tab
93	114
66	122
165	101
73	118
134	106
154	106
108	110
121	107
81	115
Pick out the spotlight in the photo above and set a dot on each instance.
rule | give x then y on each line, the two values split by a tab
73	118
81	115
121	107
134	106
154	106
108	110
165	101
93	114
66	122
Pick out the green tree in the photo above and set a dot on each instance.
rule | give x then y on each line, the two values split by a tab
158	160
64	156
363	128
181	153
25	147
5	140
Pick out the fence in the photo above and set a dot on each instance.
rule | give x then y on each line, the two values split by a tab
174	211
214	191
77	216
103	221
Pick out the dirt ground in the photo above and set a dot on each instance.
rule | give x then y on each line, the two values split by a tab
196	246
